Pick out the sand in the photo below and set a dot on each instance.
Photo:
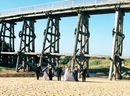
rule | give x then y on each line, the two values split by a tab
94	86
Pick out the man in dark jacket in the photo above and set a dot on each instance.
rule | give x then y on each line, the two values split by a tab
75	73
38	71
83	73
59	72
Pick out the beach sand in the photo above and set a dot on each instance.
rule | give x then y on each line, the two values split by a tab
94	86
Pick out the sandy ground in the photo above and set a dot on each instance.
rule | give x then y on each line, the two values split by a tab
94	86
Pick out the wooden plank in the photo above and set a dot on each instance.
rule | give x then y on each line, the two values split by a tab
63	54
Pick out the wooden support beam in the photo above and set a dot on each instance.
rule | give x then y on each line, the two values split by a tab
63	54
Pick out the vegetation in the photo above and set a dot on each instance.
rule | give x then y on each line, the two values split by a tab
6	47
65	60
102	65
126	63
6	68
5	58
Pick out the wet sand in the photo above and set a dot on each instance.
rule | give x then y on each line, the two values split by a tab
94	86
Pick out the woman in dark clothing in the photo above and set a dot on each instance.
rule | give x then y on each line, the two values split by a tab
50	73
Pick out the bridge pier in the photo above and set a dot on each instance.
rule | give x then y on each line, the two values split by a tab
118	36
81	43
27	44
51	41
7	35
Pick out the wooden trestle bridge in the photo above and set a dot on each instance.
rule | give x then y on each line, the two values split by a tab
53	12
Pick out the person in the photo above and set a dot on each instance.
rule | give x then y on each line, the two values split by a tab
45	75
83	73
50	73
59	72
75	73
38	71
69	76
65	73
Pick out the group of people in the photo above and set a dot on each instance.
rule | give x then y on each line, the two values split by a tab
68	75
46	75
73	75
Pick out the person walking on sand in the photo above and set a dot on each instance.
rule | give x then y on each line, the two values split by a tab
70	76
64	78
45	75
38	71
59	72
75	73
83	73
50	73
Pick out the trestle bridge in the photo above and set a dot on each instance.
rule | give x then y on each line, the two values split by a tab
54	12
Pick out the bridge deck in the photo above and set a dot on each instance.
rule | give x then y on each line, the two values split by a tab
64	9
62	54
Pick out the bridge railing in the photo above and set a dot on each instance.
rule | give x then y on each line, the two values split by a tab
54	6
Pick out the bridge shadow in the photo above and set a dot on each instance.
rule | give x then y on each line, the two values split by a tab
104	72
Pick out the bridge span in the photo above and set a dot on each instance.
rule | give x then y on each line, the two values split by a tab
53	12
65	8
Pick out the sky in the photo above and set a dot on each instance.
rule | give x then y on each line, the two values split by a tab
100	27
